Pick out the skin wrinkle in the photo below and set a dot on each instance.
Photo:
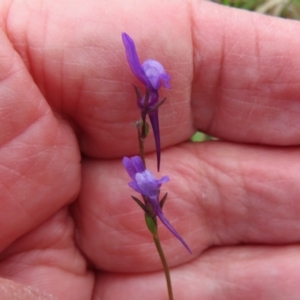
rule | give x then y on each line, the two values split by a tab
14	204
44	261
16	174
23	48
254	106
192	30
92	214
219	84
257	50
189	12
249	187
219	176
186	174
58	242
12	72
25	129
27	53
20	135
218	79
6	7
186	171
47	58
64	77
266	211
22	175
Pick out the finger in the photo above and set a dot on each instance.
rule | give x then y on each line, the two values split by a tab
86	76
46	259
241	79
235	273
246	71
39	161
219	194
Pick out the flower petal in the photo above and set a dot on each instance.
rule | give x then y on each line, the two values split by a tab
133	59
155	73
164	179
129	167
133	165
138	164
147	183
135	186
165	78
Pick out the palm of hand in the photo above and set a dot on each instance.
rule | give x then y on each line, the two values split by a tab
64	96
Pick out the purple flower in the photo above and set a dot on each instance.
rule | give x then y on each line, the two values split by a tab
151	73
144	182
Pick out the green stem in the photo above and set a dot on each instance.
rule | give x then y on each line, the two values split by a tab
151	221
141	145
165	265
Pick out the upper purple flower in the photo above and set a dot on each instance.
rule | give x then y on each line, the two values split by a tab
144	182
151	73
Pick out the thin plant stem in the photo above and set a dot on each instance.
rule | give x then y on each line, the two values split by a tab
153	228
141	144
165	265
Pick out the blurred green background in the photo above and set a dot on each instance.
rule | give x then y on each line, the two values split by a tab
279	8
289	9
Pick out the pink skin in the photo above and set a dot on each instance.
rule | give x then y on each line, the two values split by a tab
66	89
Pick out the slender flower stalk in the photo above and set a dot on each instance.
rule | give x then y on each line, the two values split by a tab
152	226
142	130
144	182
151	73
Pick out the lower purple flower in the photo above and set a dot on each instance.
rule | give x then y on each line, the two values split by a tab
144	182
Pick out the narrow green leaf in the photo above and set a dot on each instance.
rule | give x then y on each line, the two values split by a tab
163	200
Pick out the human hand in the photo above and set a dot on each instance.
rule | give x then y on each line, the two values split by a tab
69	226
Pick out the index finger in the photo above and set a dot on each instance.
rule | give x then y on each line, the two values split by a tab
233	72
246	76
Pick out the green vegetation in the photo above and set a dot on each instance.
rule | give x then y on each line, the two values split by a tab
280	8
